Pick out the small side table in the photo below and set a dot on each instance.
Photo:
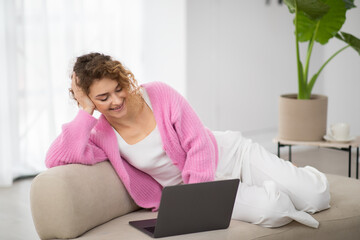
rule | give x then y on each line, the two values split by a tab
346	146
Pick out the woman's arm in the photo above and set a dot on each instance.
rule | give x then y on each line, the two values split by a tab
201	151
83	100
196	140
74	144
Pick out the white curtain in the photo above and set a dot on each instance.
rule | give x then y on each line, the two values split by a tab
39	41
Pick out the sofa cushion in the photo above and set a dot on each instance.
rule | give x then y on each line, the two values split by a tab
68	200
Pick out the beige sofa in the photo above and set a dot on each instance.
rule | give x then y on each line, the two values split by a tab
90	202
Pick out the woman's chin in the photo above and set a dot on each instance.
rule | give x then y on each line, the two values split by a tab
116	113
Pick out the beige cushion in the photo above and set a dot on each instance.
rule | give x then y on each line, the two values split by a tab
66	201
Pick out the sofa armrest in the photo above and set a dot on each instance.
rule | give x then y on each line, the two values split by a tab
68	200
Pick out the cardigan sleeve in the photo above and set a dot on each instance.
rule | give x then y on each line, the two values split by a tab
74	144
196	140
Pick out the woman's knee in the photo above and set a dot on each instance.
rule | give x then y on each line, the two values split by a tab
319	199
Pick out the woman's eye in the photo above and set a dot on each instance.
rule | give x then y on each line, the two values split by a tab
118	90
103	100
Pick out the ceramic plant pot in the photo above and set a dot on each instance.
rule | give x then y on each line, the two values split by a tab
302	120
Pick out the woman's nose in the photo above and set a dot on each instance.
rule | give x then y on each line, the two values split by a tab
116	100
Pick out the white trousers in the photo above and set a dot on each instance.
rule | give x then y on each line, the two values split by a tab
274	192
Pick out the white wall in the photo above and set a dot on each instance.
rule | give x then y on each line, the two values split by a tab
241	57
342	77
164	43
239	61
232	59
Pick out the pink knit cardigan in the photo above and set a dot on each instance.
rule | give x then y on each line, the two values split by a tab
191	146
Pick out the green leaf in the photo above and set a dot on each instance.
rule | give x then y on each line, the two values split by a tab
291	5
329	25
353	41
314	9
306	27
349	4
332	22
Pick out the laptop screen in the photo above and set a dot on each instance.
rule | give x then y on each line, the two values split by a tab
193	208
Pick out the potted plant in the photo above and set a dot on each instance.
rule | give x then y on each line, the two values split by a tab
314	21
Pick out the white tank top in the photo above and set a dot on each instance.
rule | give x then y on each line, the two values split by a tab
149	156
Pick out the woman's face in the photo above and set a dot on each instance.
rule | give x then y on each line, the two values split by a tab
109	98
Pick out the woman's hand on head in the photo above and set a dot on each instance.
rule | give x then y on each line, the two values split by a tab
82	98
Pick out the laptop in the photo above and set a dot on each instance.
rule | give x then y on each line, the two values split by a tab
191	208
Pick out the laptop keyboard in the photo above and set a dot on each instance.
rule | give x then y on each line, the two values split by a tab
150	229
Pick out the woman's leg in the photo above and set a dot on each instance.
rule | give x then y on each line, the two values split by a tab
307	188
267	206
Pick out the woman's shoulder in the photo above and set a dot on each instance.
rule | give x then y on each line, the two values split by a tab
157	86
160	92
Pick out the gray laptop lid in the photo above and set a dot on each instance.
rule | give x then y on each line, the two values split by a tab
192	208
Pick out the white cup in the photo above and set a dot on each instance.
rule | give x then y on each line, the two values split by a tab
340	131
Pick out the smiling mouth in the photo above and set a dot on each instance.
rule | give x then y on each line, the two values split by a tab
118	108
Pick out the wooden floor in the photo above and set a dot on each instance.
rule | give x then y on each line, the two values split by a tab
15	216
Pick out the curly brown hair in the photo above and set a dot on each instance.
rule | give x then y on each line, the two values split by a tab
95	66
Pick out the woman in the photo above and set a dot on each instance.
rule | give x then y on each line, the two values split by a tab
153	138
